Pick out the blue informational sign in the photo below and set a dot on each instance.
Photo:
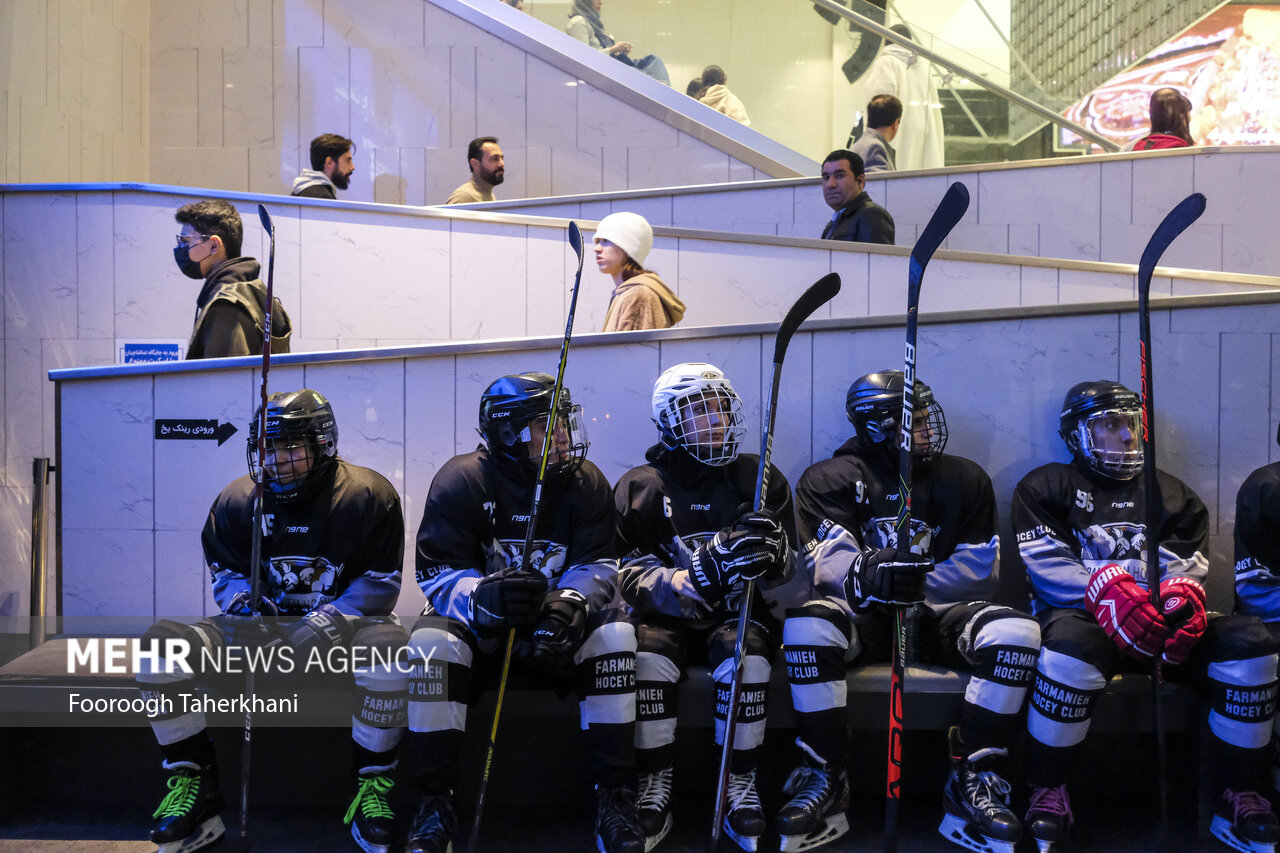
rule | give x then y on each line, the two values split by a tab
137	352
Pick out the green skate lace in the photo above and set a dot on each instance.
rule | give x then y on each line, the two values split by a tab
371	798
183	790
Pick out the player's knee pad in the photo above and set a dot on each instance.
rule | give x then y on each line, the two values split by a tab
1063	693
1243	700
1077	635
1002	646
179	652
440	655
380	651
606	664
752	700
817	639
1237	637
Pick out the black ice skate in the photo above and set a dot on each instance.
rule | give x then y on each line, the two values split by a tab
1244	821
617	827
373	823
815	814
1049	817
434	826
653	806
189	817
976	800
744	819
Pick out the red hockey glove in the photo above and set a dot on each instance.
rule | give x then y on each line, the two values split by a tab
1125	612
1182	601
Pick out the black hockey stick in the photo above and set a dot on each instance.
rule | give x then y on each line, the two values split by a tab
575	240
952	207
1178	220
255	551
818	294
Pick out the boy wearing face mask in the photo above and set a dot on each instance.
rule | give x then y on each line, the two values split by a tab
231	307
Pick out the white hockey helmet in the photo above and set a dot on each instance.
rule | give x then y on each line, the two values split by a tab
695	407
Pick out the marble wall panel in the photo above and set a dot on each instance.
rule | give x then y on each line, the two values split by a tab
40	289
1159	183
95	286
1060	195
126	605
551	114
391	23
744	282
1244	429
182	587
248	99
110	439
492	260
174	104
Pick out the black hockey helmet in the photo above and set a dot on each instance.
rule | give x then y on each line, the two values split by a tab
1103	403
512	403
295	419
874	405
695	407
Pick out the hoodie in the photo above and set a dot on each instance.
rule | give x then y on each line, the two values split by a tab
313	184
719	98
642	302
230	315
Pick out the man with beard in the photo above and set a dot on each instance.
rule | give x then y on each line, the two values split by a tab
231	307
487	168
331	167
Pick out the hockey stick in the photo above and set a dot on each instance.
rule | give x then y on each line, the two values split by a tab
818	294
1178	220
255	551
575	240
952	207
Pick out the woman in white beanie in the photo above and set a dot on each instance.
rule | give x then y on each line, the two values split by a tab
640	299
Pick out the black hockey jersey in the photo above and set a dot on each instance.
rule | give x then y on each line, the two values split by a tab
344	544
1258	544
476	517
1069	525
674	504
850	502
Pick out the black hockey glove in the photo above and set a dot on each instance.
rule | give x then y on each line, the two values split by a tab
560	629
506	599
250	630
322	629
887	576
751	548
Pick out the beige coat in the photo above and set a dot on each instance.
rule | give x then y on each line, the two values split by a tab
643	302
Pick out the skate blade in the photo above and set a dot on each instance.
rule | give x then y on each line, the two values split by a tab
1043	846
206	835
1221	829
957	831
748	843
652	841
365	844
835	826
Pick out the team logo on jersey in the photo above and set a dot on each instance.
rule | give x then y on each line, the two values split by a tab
546	557
883	533
1112	543
302	583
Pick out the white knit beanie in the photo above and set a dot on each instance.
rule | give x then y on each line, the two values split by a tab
629	232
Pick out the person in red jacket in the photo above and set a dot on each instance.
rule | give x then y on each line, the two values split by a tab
1170	122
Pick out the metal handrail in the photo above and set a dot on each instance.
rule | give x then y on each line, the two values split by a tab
938	59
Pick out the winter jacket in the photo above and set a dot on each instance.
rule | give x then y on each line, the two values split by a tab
643	302
719	98
230	314
313	184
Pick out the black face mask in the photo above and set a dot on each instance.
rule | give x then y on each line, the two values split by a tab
189	268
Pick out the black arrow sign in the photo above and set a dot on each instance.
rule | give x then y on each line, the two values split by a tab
193	429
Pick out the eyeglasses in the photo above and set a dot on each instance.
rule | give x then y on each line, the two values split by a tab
189	240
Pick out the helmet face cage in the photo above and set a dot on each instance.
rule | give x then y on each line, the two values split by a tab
874	407
707	422
1118	464
302	444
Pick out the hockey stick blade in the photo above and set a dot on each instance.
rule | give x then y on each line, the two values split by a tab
950	210
820	292
266	220
575	241
1178	220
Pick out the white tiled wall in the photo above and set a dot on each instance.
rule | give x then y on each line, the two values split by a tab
235	105
84	269
1101	208
1001	384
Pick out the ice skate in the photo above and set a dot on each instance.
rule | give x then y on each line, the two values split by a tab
815	814
189	817
434	826
617	827
976	800
373	823
1244	821
1049	817
744	819
653	806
